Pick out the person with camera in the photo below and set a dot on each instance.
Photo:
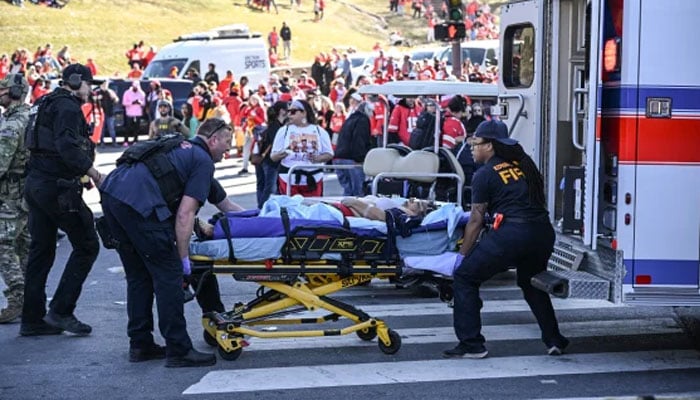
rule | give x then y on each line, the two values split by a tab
60	163
14	237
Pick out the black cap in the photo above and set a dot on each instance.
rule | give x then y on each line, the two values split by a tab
494	130
81	70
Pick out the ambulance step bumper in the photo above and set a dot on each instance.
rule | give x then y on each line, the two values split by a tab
572	284
664	297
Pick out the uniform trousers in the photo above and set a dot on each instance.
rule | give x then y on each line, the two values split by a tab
153	267
525	246
52	207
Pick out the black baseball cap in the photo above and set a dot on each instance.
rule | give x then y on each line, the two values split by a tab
83	71
494	130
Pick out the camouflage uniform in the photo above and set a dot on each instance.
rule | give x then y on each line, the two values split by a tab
14	234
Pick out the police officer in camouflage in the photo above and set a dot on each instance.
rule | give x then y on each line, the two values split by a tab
61	153
14	236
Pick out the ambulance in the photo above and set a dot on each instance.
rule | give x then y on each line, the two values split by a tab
605	96
231	47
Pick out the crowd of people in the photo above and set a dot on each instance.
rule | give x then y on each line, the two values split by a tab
480	22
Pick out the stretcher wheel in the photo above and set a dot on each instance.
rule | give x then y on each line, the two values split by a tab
367	334
395	343
209	339
232	356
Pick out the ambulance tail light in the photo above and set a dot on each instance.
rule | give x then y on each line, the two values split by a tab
642	279
611	55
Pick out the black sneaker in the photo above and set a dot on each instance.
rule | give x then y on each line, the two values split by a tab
465	352
558	349
68	323
243	172
193	358
39	329
152	352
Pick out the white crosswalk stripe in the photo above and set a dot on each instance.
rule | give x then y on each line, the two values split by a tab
438	370
326	373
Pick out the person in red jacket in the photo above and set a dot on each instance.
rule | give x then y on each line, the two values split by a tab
403	120
453	131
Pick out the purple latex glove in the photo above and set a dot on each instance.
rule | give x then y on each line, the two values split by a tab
186	267
458	261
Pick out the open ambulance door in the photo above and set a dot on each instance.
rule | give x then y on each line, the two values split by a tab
549	96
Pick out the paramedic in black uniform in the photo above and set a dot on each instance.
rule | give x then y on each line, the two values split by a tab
60	154
154	242
508	184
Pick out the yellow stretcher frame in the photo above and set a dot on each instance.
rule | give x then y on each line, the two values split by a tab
307	292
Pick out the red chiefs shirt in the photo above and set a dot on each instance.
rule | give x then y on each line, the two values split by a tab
451	129
377	120
403	120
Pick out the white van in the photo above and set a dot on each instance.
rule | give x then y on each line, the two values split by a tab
482	52
231	47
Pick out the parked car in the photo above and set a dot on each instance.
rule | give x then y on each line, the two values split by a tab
482	52
426	52
179	88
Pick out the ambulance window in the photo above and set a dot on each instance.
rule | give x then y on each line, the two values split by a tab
519	56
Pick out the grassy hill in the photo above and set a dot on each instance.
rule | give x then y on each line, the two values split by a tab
105	29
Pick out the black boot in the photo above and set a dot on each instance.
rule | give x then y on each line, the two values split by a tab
38	329
193	358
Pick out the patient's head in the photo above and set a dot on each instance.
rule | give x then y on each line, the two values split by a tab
418	207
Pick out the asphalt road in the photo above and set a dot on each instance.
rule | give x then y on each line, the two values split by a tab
616	351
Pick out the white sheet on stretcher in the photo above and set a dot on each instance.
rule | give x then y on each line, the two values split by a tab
443	264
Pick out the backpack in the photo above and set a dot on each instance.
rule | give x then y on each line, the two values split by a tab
153	154
423	135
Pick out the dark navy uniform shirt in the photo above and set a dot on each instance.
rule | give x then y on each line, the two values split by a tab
502	185
136	187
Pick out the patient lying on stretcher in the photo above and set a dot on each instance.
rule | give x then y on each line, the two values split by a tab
370	207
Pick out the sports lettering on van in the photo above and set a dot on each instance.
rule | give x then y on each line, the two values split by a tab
254	62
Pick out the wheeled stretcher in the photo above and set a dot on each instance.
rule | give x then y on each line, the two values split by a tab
298	263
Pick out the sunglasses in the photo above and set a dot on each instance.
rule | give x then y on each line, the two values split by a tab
293	111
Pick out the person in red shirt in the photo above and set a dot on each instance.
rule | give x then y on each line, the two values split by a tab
4	66
403	120
135	72
427	72
377	120
453	131
337	121
149	56
233	104
38	89
273	58
379	63
225	84
305	83
91	66
273	39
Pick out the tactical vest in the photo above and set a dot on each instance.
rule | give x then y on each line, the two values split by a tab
153	154
38	136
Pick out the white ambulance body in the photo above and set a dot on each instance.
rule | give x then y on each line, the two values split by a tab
231	47
605	95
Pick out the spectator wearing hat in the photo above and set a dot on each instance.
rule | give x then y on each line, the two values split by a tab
354	141
508	184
